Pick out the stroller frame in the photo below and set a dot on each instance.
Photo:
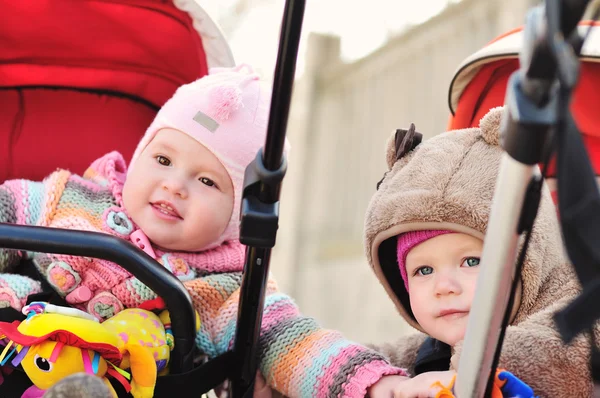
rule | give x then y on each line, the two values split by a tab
536	123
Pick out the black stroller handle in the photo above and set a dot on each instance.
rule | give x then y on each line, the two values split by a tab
128	256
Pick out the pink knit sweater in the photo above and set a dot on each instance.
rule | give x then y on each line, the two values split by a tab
298	357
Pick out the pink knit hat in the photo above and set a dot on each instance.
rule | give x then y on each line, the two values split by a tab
407	241
227	111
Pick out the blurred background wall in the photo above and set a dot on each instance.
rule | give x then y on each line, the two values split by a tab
344	108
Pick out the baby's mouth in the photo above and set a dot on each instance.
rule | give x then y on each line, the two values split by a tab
167	209
453	313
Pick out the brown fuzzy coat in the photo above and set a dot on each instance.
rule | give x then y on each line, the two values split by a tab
448	182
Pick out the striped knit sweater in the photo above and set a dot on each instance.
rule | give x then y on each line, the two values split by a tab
297	357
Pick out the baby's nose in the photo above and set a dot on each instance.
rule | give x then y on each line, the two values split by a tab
176	186
447	283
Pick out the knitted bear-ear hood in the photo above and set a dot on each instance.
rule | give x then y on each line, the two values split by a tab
447	183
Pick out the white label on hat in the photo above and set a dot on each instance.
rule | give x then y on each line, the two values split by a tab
206	121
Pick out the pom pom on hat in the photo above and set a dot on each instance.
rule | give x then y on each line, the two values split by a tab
223	101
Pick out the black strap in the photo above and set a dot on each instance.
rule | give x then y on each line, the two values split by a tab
433	356
579	211
579	204
198	381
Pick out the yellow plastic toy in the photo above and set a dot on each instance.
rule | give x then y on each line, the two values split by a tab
55	342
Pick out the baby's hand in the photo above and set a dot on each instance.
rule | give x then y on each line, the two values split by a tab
424	385
384	388
261	389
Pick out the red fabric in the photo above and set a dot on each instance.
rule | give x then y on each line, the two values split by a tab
146	48
125	58
486	91
488	88
42	130
152	305
120	378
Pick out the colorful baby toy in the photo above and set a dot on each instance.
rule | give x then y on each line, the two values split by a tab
506	385
55	342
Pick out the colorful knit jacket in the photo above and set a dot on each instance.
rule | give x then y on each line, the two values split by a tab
298	358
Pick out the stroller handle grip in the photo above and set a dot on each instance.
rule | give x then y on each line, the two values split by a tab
128	256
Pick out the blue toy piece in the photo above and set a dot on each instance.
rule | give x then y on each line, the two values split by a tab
513	387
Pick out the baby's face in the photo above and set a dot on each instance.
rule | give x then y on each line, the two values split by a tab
442	275
179	193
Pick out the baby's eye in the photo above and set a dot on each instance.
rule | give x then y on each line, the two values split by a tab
424	270
471	262
207	181
163	161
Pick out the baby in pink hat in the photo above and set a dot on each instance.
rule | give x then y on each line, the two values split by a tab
439	270
444	265
179	201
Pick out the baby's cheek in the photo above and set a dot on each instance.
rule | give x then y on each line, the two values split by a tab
223	208
470	285
418	307
214	221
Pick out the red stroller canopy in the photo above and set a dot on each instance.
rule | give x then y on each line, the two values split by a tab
481	80
81	78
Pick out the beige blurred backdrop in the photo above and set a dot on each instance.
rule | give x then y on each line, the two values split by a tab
345	105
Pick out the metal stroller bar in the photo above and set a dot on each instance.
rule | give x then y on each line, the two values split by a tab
260	205
134	260
535	98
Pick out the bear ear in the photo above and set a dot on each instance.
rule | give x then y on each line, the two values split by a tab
401	143
490	125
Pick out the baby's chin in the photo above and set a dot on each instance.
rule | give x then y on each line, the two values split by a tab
450	337
168	245
173	247
452	341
